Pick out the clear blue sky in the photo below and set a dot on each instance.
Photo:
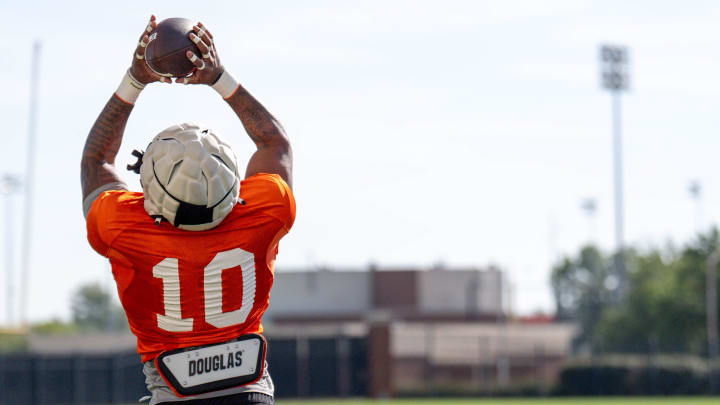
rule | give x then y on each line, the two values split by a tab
463	132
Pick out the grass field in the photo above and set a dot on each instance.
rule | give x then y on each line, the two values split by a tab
545	401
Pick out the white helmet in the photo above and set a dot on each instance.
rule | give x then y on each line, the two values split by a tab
189	177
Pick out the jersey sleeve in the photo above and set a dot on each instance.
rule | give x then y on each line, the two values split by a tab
270	193
101	221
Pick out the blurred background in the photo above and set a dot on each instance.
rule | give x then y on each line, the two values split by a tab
493	197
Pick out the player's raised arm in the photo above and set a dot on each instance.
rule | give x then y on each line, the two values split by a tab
97	169
274	154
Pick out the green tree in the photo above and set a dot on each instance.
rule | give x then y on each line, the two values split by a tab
92	308
583	288
665	307
661	308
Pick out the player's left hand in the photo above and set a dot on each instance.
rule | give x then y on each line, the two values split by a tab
208	66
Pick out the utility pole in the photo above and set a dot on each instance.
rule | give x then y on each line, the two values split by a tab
615	79
29	182
9	185
711	308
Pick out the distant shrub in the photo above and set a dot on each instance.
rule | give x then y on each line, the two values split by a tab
12	342
609	376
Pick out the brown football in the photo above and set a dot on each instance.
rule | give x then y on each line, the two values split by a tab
165	54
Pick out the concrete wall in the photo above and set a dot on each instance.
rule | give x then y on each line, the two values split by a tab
315	293
491	291
469	292
86	343
468	343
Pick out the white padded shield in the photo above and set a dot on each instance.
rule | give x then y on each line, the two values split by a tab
193	165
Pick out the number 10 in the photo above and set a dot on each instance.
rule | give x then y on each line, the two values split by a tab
168	271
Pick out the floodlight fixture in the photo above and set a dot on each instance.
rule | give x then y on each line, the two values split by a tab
614	63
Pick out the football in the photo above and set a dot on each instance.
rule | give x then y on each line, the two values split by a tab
165	53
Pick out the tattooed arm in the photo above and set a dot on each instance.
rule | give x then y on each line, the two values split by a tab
273	154
97	168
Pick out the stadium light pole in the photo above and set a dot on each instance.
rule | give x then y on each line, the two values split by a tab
711	303
9	185
589	207
614	77
695	190
29	182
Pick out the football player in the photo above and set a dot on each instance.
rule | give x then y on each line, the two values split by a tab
193	254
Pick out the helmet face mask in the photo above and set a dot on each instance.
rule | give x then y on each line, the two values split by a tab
189	177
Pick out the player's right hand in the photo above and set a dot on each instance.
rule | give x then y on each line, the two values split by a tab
139	68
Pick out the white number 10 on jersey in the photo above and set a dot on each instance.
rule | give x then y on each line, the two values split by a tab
168	271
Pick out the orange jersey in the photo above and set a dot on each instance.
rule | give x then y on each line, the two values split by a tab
185	288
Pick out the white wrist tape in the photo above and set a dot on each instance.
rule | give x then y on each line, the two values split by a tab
226	85
129	89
